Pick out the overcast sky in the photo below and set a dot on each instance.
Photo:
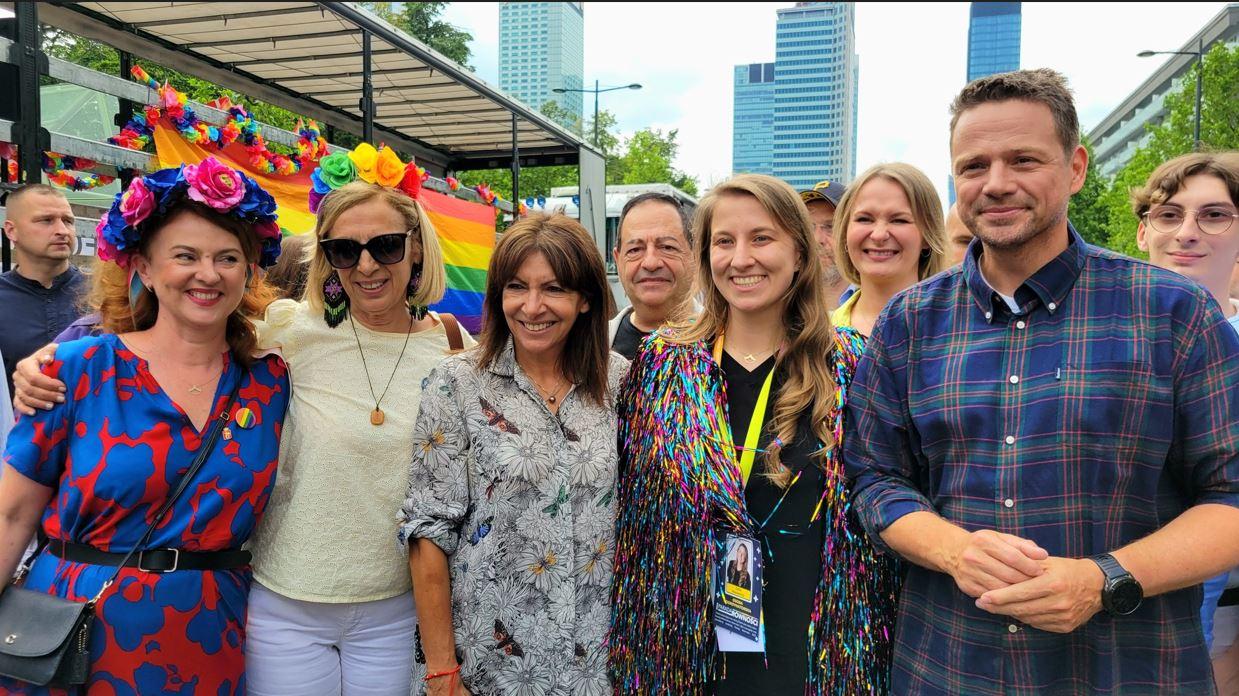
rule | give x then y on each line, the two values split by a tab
912	62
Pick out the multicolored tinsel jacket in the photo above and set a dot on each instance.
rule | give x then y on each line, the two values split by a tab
673	509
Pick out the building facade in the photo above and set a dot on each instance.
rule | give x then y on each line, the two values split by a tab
815	93
1116	138
752	135
812	101
542	48
993	38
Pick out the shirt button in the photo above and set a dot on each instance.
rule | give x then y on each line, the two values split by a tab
1010	440
989	315
1052	306
1015	379
1012	628
1008	503
1019	324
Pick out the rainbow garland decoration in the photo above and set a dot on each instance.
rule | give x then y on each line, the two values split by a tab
680	492
56	164
240	126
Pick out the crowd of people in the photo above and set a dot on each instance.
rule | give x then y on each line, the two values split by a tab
838	442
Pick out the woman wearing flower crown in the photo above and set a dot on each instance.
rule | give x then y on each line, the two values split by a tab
177	280
332	609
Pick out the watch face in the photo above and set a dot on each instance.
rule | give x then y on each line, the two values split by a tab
1125	596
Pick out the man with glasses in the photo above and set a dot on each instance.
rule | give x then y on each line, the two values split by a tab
822	200
654	260
1187	212
1048	434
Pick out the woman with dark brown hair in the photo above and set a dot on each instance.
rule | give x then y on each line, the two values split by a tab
509	517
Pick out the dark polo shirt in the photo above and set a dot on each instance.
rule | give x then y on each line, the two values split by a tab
32	315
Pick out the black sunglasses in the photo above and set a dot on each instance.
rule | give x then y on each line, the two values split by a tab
346	253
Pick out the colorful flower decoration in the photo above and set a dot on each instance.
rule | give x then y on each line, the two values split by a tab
365	163
56	164
453	183
209	182
239	126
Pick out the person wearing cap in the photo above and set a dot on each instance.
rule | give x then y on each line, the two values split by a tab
176	286
822	200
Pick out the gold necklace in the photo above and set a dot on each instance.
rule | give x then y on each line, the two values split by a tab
193	388
548	399
377	416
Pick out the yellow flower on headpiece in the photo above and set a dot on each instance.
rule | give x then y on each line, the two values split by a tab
364	157
388	169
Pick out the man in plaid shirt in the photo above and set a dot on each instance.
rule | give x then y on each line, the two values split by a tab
1049	433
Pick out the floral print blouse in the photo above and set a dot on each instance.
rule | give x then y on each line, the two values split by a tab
521	501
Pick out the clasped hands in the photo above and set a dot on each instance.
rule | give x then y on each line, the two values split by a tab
1015	577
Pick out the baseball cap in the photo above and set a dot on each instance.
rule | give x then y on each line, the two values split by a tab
829	191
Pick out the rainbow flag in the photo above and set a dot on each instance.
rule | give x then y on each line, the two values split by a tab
466	230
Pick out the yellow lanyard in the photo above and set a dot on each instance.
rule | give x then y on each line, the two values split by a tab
749	452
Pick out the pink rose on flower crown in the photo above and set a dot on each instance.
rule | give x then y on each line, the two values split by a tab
137	203
214	184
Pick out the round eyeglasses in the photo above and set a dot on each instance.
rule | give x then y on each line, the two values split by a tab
1212	219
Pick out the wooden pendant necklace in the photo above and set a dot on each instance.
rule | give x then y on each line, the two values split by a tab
377	416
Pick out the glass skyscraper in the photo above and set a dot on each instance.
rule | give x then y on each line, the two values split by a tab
541	48
815	91
753	120
993	38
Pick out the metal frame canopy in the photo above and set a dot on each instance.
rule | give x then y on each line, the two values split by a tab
339	64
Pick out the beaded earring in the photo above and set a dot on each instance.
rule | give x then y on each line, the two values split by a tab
416	311
335	301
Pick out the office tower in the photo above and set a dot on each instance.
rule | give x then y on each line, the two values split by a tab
993	38
753	119
541	48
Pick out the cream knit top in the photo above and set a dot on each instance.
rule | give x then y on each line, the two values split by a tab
329	532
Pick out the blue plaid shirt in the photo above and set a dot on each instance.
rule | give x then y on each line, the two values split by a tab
1091	418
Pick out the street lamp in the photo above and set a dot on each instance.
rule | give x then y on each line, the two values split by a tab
596	92
1200	75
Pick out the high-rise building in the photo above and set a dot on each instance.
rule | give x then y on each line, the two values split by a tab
993	38
994	30
752	132
542	48
815	92
1117	137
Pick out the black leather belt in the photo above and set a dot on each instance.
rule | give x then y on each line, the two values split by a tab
151	560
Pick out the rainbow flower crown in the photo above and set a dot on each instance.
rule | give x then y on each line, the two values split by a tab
209	182
381	166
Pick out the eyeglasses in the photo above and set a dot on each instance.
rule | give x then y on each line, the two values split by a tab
346	253
1167	219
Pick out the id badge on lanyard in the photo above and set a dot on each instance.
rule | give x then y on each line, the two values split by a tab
738	623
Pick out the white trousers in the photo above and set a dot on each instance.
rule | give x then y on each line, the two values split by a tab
320	649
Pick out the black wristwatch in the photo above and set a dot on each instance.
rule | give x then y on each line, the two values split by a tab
1122	593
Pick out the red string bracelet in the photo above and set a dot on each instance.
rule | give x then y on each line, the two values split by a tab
448	673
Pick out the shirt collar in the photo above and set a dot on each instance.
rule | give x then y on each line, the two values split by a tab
505	364
1049	285
69	276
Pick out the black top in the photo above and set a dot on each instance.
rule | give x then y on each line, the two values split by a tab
628	337
32	315
792	547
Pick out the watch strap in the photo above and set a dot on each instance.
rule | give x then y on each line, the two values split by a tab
1110	566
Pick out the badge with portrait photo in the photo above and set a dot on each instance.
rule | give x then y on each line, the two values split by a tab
737	603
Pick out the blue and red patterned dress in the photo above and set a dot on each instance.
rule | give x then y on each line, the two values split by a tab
112	453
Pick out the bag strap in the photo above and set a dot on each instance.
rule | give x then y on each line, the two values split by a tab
455	341
208	444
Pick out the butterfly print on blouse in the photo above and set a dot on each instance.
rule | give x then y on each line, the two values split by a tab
495	419
505	641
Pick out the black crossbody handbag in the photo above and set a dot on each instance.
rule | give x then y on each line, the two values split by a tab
45	639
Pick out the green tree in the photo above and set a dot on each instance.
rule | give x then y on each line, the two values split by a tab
648	158
421	20
1219	130
1087	210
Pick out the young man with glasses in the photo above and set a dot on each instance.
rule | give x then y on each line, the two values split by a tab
1188	210
1049	434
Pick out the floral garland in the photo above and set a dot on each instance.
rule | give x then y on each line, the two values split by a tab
55	164
209	182
240	125
365	163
